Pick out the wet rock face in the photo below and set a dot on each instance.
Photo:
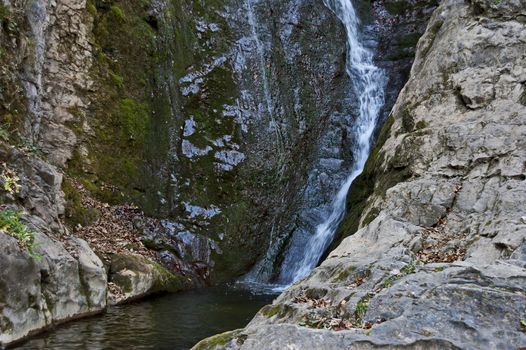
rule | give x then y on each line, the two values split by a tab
248	109
438	259
399	26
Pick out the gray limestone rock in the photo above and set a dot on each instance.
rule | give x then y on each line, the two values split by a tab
438	259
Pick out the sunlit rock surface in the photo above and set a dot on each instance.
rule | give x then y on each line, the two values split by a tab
437	261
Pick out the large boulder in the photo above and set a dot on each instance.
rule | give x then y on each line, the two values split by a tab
37	292
133	276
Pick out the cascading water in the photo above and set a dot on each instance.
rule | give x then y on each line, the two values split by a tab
369	84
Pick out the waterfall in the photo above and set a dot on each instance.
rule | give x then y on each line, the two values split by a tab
369	83
252	21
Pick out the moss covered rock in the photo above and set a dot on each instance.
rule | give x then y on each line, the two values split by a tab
133	276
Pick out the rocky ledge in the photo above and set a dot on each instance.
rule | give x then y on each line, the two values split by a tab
438	259
64	280
50	273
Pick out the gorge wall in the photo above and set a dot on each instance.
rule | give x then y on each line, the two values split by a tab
435	255
165	144
161	145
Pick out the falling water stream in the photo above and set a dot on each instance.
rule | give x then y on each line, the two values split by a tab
369	84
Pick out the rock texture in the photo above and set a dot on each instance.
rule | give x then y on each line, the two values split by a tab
437	261
66	280
55	288
132	277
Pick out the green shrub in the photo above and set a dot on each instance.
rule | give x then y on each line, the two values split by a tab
118	13
11	182
10	223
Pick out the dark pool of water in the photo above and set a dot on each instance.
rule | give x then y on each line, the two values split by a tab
174	322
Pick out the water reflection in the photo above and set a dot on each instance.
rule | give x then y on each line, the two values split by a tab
174	322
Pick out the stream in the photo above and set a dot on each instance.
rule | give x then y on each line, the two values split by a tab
169	322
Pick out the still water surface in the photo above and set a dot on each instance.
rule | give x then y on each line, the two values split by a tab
171	322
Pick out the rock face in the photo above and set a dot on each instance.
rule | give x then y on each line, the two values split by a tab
56	288
250	107
67	280
228	129
436	258
132	277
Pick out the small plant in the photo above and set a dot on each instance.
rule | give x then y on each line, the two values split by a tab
30	147
117	80
361	309
10	223
409	268
4	134
11	181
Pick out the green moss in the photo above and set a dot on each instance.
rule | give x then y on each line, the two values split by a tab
278	310
121	113
167	281
430	38
372	214
361	308
118	13
406	270
409	268
133	121
163	280
421	124
408	122
76	213
409	40
4	12
342	275
397	7
117	80
92	9
216	341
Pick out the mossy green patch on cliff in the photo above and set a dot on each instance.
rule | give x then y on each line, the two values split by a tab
120	114
15	50
76	213
275	310
216	341
4	12
397	7
162	280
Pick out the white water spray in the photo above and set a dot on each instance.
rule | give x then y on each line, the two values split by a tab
369	84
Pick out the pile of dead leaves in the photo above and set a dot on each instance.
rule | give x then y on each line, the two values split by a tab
117	228
315	303
437	244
